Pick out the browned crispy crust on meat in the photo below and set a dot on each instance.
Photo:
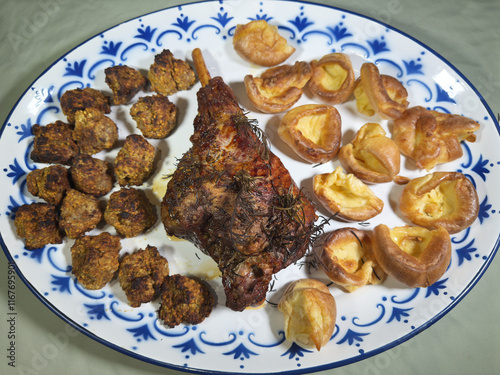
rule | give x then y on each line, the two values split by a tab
80	99
135	161
91	175
125	82
156	116
49	183
80	213
130	212
236	201
36	223
168	75
95	259
184	300
141	275
53	143
94	132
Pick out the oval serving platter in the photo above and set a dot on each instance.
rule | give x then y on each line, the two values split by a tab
370	320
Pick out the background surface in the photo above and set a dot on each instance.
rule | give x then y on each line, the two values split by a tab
466	33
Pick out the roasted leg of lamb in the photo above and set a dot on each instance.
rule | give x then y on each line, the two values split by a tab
235	200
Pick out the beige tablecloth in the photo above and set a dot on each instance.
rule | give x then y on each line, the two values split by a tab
466	33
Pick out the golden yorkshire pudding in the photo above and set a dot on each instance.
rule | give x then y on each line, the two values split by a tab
260	43
313	131
310	313
416	256
430	137
371	156
345	196
332	79
446	199
347	259
278	88
380	94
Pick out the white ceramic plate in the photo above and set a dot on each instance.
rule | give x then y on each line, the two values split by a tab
371	319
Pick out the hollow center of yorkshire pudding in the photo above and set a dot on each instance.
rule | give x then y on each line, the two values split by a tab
347	190
441	201
335	76
313	128
362	101
269	92
349	256
412	240
369	161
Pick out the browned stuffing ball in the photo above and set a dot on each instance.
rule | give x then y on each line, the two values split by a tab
125	82
80	99
184	300
141	275
53	144
130	212
156	116
49	183
95	259
80	213
94	132
91	175
36	223
135	161
168	75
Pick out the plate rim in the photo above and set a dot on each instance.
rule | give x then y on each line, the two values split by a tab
479	274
